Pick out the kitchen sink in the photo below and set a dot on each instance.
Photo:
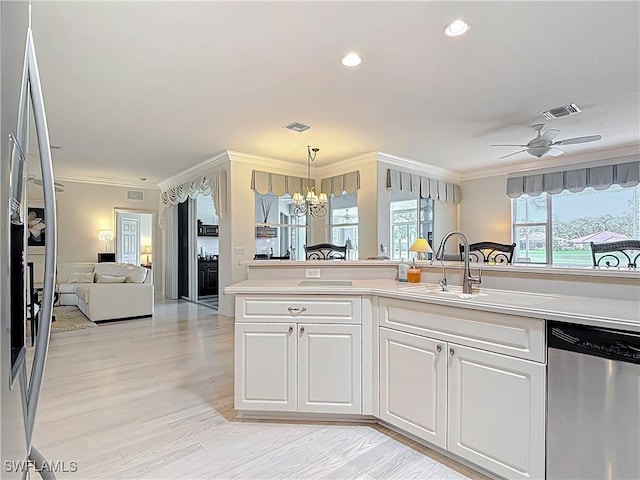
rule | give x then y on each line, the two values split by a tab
325	283
499	297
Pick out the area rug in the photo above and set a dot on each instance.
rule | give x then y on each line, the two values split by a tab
68	318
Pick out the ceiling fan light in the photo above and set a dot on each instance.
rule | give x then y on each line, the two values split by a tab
456	28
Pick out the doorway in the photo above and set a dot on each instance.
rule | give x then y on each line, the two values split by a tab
134	237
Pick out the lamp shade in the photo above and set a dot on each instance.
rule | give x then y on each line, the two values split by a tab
105	235
146	250
421	246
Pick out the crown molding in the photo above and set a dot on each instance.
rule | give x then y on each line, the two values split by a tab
344	166
555	163
419	167
201	168
257	160
111	182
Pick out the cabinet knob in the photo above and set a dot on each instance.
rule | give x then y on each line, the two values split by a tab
438	348
451	351
296	310
290	330
301	330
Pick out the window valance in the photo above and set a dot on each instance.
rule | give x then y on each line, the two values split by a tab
599	178
213	183
425	187
347	182
265	182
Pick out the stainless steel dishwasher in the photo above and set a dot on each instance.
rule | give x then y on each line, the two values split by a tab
593	410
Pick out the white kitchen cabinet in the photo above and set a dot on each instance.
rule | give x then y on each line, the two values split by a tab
298	367
496	411
265	367
413	384
483	406
329	368
301	354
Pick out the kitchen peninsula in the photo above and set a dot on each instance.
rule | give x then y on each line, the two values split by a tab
466	376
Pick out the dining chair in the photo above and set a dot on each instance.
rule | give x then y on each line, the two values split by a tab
325	251
611	254
490	252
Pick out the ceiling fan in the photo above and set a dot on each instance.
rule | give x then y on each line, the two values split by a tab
59	187
543	143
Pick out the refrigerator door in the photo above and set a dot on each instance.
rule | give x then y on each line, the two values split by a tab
20	395
14	18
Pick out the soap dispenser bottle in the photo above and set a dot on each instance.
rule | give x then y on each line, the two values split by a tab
413	274
403	269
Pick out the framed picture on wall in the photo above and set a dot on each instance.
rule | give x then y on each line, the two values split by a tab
36	231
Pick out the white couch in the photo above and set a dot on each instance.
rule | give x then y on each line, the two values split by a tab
106	291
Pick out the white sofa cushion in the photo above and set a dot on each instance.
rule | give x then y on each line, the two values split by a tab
81	277
111	279
82	291
134	273
64	270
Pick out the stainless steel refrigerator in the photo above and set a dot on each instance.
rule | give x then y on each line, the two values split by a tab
22	109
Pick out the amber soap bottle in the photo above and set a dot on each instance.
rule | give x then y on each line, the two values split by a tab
413	274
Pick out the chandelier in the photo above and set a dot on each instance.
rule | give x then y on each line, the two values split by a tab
310	202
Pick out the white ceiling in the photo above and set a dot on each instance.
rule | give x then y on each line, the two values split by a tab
148	89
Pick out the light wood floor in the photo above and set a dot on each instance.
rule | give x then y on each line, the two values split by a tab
153	398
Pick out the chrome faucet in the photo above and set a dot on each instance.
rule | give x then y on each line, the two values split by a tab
467	280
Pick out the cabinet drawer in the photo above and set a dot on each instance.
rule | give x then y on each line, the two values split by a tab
312	309
513	335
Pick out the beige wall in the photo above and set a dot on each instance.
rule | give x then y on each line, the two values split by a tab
485	210
84	209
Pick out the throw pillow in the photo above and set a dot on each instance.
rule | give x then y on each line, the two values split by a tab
110	279
78	277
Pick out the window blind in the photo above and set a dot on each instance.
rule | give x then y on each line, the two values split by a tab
575	180
425	187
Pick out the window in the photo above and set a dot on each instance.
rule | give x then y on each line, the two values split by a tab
343	222
558	229
279	232
410	218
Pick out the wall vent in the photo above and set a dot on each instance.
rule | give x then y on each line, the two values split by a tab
297	127
561	111
135	195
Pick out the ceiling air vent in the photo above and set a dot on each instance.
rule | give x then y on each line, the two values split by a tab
135	195
297	127
561	111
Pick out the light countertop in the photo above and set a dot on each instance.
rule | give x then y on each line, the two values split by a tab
594	311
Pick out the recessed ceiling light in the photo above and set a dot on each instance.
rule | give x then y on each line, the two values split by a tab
351	60
456	28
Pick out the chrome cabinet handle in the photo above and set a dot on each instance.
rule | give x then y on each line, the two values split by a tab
301	330
296	310
290	330
451	351
438	348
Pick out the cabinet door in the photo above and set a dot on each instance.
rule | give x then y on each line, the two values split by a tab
212	280
329	368
413	384
265	366
497	412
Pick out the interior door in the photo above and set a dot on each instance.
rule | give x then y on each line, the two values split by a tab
129	240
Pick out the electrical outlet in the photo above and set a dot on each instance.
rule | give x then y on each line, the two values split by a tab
312	273
238	250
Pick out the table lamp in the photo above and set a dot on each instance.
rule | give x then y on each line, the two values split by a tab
106	236
421	246
146	250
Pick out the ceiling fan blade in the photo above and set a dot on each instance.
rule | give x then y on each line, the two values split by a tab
550	134
573	141
59	187
554	152
514	153
506	145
